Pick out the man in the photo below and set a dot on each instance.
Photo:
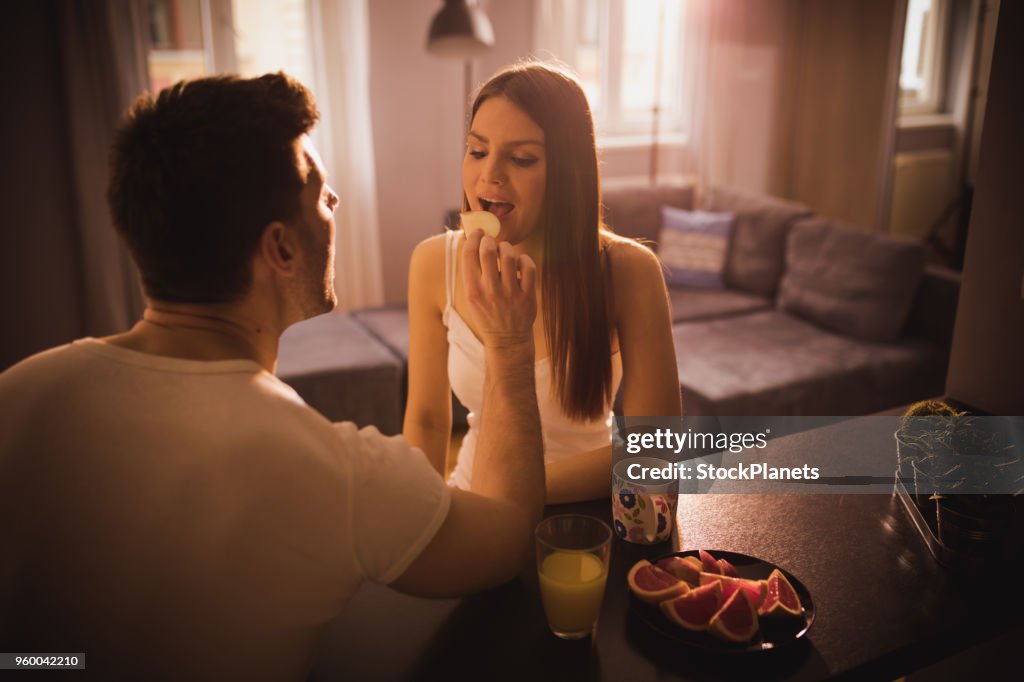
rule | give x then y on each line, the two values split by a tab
170	508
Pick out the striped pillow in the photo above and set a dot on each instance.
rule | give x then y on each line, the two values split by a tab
693	246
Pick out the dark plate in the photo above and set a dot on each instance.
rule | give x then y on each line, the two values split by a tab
774	633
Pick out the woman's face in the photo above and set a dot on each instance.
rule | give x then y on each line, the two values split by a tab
504	170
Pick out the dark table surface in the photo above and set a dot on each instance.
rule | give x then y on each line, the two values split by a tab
883	606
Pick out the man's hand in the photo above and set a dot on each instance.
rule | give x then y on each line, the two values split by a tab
502	304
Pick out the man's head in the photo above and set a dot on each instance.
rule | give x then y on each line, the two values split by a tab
214	172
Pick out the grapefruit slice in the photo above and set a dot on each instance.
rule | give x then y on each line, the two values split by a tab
694	609
755	589
480	220
736	621
652	584
781	599
709	563
728	569
682	569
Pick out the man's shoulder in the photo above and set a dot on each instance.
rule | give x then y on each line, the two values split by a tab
52	360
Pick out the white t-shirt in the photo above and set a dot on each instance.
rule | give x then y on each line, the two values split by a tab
177	519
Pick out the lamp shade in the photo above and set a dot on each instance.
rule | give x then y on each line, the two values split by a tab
460	30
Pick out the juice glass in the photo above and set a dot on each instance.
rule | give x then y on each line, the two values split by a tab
572	566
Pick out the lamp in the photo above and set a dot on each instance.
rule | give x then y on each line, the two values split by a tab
460	30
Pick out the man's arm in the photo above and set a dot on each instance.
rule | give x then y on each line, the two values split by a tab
488	534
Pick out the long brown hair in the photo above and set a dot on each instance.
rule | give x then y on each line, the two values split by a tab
573	287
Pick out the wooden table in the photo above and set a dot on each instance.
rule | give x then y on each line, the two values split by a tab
884	607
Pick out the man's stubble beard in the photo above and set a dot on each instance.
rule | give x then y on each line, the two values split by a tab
317	294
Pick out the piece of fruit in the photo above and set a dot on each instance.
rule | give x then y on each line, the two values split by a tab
652	584
695	561
480	220
728	569
694	609
682	569
781	599
736	621
755	589
709	563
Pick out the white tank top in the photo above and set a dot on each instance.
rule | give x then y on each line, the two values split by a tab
563	437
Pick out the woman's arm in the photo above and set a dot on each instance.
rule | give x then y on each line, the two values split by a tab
586	476
650	377
428	413
650	385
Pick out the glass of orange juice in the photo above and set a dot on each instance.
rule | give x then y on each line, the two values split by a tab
572	566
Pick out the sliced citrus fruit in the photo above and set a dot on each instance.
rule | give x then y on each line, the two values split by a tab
755	589
781	599
694	609
652	584
736	621
480	220
709	563
682	569
728	569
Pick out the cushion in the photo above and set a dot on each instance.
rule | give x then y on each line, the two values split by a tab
702	304
857	283
692	246
343	372
774	364
758	249
634	210
390	324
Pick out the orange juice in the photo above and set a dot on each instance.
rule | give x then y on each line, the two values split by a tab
571	588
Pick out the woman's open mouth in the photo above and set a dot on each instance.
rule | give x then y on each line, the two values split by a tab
499	208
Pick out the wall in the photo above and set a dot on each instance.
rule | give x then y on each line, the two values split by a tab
40	302
844	108
748	127
417	107
987	364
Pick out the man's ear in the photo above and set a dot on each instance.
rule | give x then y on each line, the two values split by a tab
279	249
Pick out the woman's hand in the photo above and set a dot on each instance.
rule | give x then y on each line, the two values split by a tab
500	289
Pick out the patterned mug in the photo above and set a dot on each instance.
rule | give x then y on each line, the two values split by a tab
643	507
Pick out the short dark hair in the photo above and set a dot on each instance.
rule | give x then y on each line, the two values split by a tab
198	172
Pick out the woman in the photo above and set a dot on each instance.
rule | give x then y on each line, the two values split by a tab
602	310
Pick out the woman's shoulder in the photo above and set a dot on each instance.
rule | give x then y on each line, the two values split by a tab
635	274
428	256
432	247
628	256
426	267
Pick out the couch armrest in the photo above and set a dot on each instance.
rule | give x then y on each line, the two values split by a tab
634	210
933	312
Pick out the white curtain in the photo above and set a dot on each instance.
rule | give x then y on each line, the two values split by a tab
339	32
103	46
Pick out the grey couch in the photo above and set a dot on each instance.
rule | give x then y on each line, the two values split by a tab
817	318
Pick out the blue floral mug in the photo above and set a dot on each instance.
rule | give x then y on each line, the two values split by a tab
643	503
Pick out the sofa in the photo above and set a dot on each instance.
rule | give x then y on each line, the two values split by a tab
815	318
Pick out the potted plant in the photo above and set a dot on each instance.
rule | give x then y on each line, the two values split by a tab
969	468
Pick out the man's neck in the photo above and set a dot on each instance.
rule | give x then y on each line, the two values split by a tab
202	332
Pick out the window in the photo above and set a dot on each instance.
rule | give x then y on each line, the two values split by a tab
177	49
923	64
196	38
628	55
